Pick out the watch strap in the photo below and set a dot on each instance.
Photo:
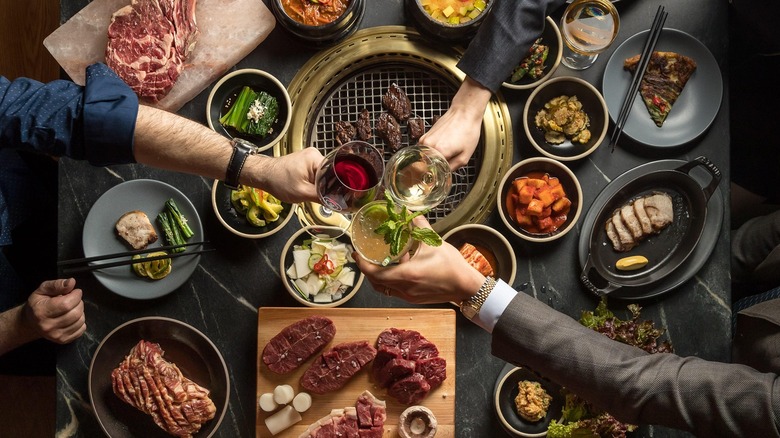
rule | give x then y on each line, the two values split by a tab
470	308
242	149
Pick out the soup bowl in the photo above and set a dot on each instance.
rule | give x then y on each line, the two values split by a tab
331	27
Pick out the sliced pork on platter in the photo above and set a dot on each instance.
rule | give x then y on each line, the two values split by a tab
639	219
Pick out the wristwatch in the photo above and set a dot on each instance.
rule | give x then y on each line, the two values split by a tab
470	308
242	149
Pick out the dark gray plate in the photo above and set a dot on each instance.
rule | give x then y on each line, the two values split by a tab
196	356
694	261
694	110
99	236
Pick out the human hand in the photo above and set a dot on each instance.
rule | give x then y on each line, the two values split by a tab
55	311
433	275
456	133
290	177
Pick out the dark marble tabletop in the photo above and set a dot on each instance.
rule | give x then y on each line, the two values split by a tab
223	294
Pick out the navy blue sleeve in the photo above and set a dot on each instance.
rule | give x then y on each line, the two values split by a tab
504	39
94	123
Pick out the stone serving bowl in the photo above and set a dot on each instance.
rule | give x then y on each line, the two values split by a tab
593	105
323	34
440	30
227	89
555	169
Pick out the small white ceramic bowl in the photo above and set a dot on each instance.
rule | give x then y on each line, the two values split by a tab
487	239
227	89
555	169
551	37
287	260
593	105
237	223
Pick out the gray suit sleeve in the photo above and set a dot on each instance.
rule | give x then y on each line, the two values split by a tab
504	39
706	398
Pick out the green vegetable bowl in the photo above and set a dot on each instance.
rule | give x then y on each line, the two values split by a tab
255	219
550	37
259	95
317	267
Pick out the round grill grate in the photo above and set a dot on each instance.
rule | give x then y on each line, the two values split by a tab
430	96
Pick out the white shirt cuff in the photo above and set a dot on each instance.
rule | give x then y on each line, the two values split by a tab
494	306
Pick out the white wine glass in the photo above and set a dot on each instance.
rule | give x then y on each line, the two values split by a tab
418	177
588	27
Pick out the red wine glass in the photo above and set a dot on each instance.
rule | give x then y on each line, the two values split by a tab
350	176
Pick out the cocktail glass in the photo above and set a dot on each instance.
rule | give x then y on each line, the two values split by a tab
367	242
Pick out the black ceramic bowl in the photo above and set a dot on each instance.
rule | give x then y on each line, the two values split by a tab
555	169
445	32
237	223
323	34
504	395
487	239
227	89
593	105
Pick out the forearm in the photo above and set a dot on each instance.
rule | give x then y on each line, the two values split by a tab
708	398
171	142
13	331
471	99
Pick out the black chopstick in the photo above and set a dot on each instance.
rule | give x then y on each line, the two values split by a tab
125	253
644	59
134	261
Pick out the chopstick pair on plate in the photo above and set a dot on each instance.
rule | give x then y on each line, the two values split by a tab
644	59
93	266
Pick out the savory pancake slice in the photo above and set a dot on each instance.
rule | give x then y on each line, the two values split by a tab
666	76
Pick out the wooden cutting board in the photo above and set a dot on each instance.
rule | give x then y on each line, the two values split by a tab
229	30
436	325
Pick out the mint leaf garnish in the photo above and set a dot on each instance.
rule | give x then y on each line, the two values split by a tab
426	236
396	228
